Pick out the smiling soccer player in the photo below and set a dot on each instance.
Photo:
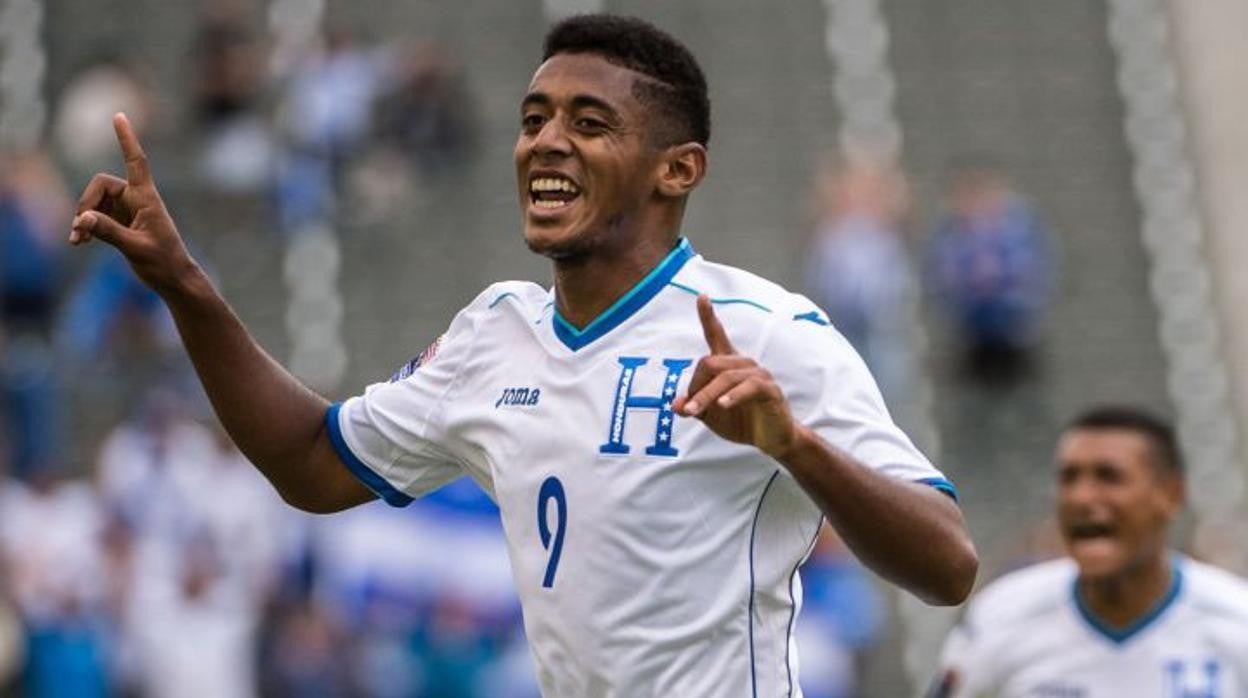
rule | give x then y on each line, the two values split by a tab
1123	615
664	436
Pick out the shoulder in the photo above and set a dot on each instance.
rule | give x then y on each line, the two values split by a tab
509	295
763	305
1215	591
458	344
731	286
523	299
1022	596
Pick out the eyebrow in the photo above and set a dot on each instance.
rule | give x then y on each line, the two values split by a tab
578	102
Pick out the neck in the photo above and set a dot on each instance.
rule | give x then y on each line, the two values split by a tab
1122	599
587	285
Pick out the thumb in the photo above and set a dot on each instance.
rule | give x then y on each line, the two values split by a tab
104	227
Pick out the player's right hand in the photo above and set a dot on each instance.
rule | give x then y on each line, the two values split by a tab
130	215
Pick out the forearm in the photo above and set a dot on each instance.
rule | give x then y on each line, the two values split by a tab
275	421
907	533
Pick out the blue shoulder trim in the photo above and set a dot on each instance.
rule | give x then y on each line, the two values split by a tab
813	316
365	474
720	301
941	484
628	304
500	297
1120	635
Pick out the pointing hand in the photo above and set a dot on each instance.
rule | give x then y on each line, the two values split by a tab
734	396
130	215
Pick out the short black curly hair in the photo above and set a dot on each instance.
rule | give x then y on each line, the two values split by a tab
676	88
1165	446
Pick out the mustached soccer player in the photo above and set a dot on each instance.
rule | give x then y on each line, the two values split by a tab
662	434
1123	616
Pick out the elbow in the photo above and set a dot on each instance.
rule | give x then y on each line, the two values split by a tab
953	584
309	506
309	502
306	498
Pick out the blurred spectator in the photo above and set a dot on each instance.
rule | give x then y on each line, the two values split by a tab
992	267
110	306
857	268
113	336
33	205
842	618
423	129
204	527
304	659
327	116
31	406
424	111
238	148
82	126
415	625
49	535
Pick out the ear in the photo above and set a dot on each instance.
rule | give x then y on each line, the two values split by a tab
1174	491
681	169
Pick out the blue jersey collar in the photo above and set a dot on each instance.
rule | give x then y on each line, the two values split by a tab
628	304
1120	635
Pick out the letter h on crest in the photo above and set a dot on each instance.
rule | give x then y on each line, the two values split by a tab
625	401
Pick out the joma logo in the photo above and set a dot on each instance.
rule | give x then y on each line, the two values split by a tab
522	397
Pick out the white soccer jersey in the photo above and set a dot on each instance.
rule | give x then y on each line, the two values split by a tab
652	557
1029	634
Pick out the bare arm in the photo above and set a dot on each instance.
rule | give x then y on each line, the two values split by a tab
277	422
908	533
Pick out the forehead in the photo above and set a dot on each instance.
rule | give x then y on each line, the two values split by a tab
568	75
1121	447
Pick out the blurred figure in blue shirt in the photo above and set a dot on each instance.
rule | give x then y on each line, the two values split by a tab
991	264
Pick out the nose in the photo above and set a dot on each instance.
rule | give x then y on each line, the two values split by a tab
552	139
1078	491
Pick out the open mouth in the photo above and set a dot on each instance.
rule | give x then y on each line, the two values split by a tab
1089	531
552	193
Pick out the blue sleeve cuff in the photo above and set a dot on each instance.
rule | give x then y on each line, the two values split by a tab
941	484
365	474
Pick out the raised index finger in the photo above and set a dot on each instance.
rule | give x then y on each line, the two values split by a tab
136	161
716	337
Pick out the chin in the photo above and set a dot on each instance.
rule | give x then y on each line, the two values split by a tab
1098	564
556	243
1098	570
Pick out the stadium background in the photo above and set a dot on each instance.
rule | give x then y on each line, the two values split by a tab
1122	122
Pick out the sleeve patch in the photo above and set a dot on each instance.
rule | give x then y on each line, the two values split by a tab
421	359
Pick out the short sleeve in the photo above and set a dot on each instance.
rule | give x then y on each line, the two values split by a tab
831	391
394	437
956	675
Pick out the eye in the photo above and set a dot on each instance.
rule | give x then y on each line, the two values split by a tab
530	122
590	124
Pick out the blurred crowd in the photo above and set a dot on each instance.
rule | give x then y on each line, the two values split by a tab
140	554
987	263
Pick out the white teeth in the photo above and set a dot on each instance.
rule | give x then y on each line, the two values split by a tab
545	184
544	203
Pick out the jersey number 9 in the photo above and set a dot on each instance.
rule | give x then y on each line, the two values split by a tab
552	489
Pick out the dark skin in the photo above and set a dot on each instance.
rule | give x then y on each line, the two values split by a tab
1115	504
581	123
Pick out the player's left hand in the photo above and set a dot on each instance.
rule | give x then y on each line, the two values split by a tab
734	396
